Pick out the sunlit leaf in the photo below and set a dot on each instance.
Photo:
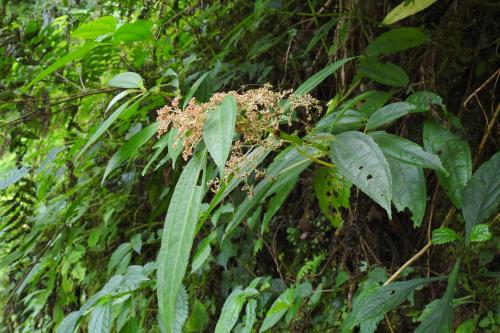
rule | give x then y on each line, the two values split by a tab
91	30
405	9
127	80
137	31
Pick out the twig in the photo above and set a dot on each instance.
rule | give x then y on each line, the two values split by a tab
497	73
408	263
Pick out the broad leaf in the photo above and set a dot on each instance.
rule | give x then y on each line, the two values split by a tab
100	319
424	99
177	238
454	153
405	9
218	131
440	320
130	149
360	161
137	31
385	73
230	311
406	151
481	195
198	318
68	324
396	40
250	316
75	54
408	189
92	30
332	192
278	309
444	235
127	80
388	114
480	233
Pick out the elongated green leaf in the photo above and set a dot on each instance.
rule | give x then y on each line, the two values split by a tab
73	55
481	195
250	316
388	114
193	89
177	238
396	40
230	311
68	324
137	31
361	162
278	309
408	189
338	122
117	256
160	147
406	151
423	100
218	131
201	254
440	320
317	78
382	300
100	319
127	80
405	9
91	30
118	97
130	149
385	73
198	318
444	235
454	153
277	201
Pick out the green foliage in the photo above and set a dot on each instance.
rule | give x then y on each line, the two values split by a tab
105	226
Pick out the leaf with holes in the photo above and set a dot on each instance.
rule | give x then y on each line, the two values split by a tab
359	159
408	189
332	192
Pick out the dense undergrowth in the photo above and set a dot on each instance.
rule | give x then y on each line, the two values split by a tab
282	166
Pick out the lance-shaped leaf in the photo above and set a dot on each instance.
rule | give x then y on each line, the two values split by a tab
91	30
177	238
388	114
440	319
127	80
481	196
230	311
100	319
278	309
408	189
385	73
130	149
396	40
454	153
406	151
405	9
360	160
218	131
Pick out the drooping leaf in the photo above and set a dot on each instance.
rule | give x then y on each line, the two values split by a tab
130	149
230	311
382	300
278	309
444	235
480	233
127	80
73	55
408	189
137	31
100	319
177	238
405	9
406	151
181	309
385	73
396	40
481	195
388	114
440	320
218	131
92	30
454	153
201	254
361	162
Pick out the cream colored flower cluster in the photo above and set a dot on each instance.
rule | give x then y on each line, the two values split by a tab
259	114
